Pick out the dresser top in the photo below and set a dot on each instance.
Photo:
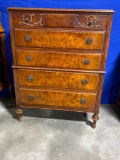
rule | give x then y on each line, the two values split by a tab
61	10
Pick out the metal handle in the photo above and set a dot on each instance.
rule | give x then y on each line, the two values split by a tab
28	58
84	81
29	78
89	41
90	23
28	38
31	97
26	19
82	101
86	61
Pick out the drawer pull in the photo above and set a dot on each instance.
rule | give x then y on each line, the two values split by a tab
31	97
26	19
86	61
28	38
29	78
84	81
82	101
89	41
28	58
91	23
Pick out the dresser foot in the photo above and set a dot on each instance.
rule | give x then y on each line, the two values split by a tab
19	113
95	119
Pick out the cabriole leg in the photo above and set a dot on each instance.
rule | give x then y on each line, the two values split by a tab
95	119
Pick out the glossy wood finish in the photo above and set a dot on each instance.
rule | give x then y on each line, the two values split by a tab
59	39
58	80
100	20
59	58
57	98
59	20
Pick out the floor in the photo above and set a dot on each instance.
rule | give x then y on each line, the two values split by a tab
57	135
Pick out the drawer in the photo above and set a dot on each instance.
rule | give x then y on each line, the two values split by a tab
57	98
59	39
59	80
53	59
89	21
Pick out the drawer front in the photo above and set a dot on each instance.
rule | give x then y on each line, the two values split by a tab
59	20
60	80
59	39
58	98
89	21
59	59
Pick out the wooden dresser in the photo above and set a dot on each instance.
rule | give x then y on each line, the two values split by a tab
59	58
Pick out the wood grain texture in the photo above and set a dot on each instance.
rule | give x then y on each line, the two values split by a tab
106	44
99	93
57	98
96	19
51	46
59	39
59	20
58	80
58	59
15	73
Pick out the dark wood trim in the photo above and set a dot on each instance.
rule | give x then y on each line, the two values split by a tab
58	69
61	10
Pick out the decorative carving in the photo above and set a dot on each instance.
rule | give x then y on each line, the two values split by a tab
91	21
28	20
95	119
19	113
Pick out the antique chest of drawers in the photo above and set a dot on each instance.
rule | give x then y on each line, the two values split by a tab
59	58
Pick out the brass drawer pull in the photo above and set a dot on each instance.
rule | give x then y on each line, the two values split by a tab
86	61
28	58
26	19
29	78
84	81
82	101
31	97
89	41
28	38
91	23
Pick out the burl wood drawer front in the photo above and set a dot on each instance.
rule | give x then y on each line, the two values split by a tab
57	98
89	21
60	80
59	39
55	59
